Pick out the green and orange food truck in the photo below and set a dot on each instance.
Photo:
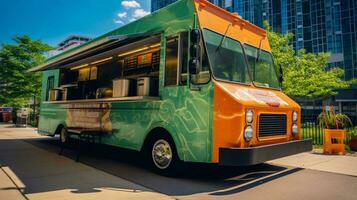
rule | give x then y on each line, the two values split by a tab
190	82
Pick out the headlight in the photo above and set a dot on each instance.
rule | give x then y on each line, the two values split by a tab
248	133
295	116
294	129
249	116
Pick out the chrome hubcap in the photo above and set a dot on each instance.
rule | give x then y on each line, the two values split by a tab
162	154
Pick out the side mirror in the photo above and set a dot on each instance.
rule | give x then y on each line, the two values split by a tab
194	50
195	36
194	66
194	63
281	78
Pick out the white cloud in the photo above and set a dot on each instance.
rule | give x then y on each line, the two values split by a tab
117	21
130	4
134	11
140	13
122	14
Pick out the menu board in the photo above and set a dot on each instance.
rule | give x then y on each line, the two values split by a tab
130	63
144	63
88	73
93	73
84	74
145	59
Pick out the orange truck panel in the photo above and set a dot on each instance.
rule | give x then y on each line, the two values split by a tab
230	102
218	19
232	99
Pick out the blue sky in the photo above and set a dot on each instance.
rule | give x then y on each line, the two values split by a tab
54	20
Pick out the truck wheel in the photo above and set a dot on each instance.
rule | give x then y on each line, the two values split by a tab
63	135
162	155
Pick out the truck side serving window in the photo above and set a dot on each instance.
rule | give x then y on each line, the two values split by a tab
50	85
176	59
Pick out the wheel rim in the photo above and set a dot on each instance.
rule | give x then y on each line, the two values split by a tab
162	154
63	135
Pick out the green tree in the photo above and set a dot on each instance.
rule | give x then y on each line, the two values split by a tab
17	85
305	74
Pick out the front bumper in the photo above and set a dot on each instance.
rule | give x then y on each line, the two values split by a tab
260	154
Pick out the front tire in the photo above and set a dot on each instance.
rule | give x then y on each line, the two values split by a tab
161	155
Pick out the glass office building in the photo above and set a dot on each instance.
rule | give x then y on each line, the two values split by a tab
317	25
157	4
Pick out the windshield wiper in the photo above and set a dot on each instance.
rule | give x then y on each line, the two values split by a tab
258	53
224	37
257	58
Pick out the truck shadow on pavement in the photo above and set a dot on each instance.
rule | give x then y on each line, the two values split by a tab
193	178
41	173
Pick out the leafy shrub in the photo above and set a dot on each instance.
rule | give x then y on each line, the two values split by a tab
353	132
330	121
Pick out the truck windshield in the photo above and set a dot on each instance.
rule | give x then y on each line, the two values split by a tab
262	67
226	57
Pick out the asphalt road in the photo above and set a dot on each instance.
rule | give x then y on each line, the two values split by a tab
204	181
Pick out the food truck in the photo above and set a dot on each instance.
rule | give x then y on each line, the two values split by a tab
190	82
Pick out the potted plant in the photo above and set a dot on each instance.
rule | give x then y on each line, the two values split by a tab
334	130
353	141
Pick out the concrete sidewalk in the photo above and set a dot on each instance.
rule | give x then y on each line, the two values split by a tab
316	160
8	189
40	174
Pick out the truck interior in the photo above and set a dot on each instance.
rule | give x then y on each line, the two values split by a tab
129	68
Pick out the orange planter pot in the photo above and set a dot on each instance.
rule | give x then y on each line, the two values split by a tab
334	141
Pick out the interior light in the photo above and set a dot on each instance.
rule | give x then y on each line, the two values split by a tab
155	45
80	66
102	60
133	51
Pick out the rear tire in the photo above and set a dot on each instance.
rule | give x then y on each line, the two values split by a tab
63	135
161	154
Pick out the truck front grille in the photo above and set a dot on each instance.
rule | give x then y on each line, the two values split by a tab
272	124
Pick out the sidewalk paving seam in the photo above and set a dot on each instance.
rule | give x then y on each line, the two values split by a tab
318	170
13	182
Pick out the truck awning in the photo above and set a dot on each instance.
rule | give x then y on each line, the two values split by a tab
89	49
